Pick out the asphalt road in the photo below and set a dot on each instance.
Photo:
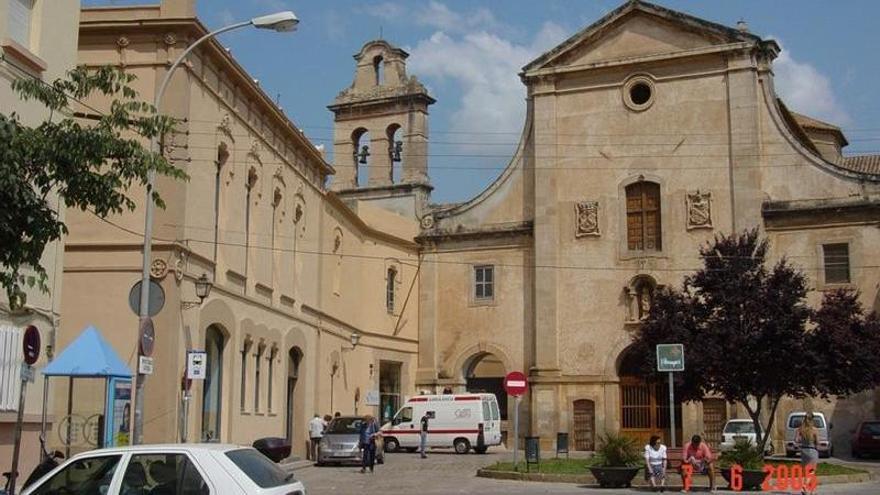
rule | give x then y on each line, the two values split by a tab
446	473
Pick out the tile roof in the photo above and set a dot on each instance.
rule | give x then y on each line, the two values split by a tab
863	164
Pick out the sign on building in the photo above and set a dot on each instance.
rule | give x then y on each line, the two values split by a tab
196	365
372	398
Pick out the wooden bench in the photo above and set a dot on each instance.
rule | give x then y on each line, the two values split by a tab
674	462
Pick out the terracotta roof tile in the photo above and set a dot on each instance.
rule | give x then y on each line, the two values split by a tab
863	164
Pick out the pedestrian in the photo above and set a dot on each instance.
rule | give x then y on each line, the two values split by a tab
337	414
423	433
807	438
655	463
698	455
447	390
327	420
316	432
369	430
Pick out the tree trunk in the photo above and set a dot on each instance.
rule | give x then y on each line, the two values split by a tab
774	401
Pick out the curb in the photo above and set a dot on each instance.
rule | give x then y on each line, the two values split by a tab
588	479
292	466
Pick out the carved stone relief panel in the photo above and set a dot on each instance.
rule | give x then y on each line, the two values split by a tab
699	210
586	218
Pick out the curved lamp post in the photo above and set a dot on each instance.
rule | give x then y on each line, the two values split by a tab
281	22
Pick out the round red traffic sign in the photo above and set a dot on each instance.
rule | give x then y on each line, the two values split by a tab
31	345
515	383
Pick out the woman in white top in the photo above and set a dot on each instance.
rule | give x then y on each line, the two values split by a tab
655	463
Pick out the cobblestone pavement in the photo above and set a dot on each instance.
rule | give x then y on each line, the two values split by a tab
448	473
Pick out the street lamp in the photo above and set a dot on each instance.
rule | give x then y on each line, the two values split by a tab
281	22
355	338
203	288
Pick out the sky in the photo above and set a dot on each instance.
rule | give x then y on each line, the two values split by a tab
468	54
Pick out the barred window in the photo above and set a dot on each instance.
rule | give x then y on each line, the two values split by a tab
643	231
836	263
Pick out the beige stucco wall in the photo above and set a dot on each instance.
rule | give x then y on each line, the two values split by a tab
53	35
296	290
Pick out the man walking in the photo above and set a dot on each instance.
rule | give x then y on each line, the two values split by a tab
316	432
368	432
423	433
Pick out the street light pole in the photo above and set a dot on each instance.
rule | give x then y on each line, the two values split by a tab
282	22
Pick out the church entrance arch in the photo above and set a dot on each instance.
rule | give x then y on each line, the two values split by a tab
484	373
644	403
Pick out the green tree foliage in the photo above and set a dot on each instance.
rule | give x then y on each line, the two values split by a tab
751	338
91	164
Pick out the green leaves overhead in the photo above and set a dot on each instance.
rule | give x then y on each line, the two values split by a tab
90	163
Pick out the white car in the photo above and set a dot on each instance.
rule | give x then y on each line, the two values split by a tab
190	469
736	429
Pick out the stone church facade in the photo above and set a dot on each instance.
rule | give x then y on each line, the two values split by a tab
342	287
646	134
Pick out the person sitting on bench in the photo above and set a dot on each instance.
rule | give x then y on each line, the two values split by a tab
698	456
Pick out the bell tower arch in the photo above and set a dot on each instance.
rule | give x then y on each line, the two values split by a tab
380	137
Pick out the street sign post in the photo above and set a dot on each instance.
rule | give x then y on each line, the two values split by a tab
670	358
30	349
516	384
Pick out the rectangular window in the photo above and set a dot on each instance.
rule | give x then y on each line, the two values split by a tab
20	21
836	263
484	282
389	289
271	383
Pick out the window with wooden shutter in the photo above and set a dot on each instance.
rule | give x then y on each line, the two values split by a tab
643	231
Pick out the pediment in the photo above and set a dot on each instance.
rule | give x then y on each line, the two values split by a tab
638	29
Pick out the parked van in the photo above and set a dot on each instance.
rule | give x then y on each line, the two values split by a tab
794	422
457	423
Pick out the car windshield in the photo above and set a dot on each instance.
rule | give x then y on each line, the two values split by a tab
795	421
345	426
871	428
257	467
740	427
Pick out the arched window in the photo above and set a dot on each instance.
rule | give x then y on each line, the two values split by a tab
222	157
360	140
249	185
212	388
379	70
643	232
389	288
394	133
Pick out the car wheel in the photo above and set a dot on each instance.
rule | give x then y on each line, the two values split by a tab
391	444
462	446
789	453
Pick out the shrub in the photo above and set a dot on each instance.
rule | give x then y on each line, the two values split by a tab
617	451
745	454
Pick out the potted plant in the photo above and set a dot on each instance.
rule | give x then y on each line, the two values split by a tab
750	459
617	461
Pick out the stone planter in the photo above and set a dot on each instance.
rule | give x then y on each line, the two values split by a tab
614	477
752	479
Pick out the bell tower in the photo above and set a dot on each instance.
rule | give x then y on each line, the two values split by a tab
380	138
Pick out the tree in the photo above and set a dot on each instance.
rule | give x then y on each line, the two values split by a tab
751	338
90	165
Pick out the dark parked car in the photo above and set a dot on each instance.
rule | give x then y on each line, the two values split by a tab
866	439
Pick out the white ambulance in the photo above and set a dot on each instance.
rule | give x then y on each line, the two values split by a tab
457	421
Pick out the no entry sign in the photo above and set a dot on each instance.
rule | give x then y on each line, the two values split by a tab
31	345
515	383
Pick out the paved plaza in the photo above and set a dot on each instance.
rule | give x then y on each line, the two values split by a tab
447	473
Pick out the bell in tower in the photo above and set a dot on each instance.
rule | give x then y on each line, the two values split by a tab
380	134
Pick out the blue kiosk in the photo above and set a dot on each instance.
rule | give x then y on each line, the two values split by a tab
90	356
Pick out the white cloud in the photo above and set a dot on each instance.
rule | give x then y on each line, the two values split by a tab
806	90
485	67
389	11
438	15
